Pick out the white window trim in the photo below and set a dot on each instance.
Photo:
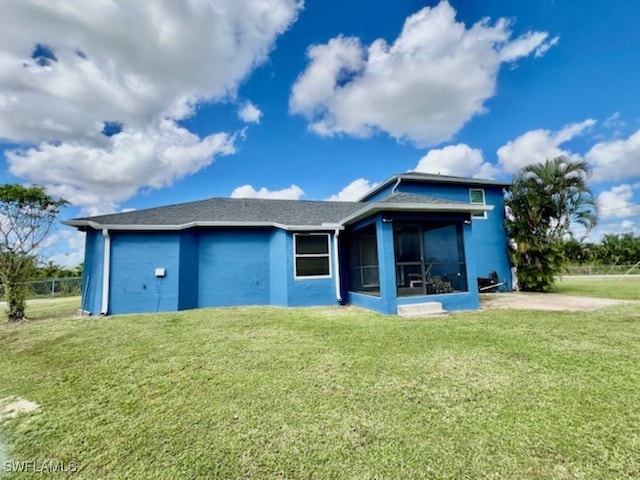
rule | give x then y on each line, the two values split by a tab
483	215
310	255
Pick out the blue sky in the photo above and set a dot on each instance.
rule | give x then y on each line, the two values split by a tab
137	104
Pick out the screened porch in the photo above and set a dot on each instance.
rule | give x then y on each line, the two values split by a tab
429	259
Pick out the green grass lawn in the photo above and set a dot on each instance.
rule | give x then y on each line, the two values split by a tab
623	288
327	393
48	308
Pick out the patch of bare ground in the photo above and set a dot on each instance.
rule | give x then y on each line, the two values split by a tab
545	301
11	407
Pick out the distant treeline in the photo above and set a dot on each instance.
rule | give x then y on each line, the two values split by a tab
613	249
52	270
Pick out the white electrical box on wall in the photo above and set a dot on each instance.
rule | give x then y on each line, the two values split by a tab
160	272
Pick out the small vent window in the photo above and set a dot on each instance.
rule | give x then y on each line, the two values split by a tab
476	197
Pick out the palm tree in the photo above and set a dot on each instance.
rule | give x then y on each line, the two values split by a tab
544	202
563	182
49	270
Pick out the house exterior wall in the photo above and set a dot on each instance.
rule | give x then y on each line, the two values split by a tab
234	267
134	286
92	272
189	270
203	268
490	246
279	268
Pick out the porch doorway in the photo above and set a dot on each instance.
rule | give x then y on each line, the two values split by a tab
364	269
429	258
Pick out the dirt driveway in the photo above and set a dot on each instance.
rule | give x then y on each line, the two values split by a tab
544	301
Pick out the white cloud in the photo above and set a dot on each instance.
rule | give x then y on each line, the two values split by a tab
249	113
538	145
543	47
618	202
329	64
143	65
460	160
423	87
247	191
98	178
354	191
527	43
616	159
614	121
616	227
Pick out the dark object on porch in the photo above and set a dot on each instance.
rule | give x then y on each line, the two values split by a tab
490	283
440	286
433	285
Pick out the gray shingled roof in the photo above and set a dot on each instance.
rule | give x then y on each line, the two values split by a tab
264	212
431	177
233	210
419	199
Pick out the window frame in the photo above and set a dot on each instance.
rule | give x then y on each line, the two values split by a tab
482	215
297	255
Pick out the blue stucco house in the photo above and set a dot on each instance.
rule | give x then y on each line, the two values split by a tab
412	240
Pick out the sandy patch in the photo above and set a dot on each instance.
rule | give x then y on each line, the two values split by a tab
545	301
11	407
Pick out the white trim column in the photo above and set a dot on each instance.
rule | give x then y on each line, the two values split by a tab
106	271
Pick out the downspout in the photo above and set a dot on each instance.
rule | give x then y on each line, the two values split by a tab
106	271
336	261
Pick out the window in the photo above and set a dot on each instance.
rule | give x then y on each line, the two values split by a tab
311	255
476	196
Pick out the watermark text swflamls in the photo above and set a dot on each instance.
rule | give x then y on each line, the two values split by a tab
46	466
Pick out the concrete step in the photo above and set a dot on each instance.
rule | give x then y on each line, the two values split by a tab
417	310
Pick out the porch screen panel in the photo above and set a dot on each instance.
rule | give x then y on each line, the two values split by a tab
444	254
407	240
429	258
407	244
364	271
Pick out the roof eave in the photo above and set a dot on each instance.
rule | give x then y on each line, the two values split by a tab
414	207
409	177
184	226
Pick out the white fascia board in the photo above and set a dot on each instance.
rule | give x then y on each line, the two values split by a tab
415	207
184	226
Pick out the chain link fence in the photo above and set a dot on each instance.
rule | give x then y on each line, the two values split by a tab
53	287
604	270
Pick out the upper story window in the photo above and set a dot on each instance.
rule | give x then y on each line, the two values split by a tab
476	197
311	255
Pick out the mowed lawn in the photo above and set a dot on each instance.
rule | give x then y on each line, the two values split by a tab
619	287
326	393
